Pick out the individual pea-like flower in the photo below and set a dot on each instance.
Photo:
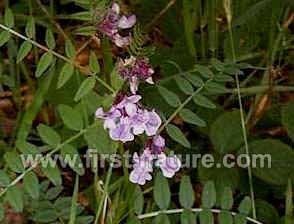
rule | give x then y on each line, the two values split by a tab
143	168
153	154
169	165
113	23
136	70
127	118
157	144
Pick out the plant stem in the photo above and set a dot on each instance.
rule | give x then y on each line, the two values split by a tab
160	14
244	131
105	194
258	89
181	210
181	107
58	27
105	84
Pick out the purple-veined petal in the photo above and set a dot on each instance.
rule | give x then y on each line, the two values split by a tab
121	41
131	109
122	131
127	22
153	123
169	165
134	98
109	123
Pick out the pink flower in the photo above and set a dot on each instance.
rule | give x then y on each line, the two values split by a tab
126	119
157	145
127	22
113	23
135	70
153	123
169	165
153	155
142	168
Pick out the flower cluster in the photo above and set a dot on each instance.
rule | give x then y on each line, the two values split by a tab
135	70
153	155
127	118
113	23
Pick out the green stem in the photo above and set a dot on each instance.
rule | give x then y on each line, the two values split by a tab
174	114
105	85
196	210
229	16
74	202
105	194
259	89
50	17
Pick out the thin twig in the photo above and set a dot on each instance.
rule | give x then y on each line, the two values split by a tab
227	6
160	14
174	114
59	28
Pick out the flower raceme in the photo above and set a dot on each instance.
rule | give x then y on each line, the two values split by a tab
113	23
127	118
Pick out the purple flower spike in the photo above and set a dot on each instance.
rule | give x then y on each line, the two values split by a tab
169	165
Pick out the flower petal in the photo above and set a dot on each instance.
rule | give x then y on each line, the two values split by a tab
115	8
99	113
127	22
121	41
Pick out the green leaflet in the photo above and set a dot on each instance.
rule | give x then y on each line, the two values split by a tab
44	63
23	51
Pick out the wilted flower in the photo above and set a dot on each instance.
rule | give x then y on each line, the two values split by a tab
136	70
127	118
112	23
